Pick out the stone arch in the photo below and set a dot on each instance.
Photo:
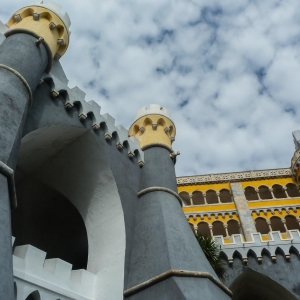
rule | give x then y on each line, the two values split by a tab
291	222
277	224
185	197
203	229
225	196
70	161
211	197
264	192
218	228
250	193
278	191
198	198
34	296
233	227
292	190
262	225
251	285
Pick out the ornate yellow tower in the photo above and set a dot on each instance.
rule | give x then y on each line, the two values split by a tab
45	22
153	127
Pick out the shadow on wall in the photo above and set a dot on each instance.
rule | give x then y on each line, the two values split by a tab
252	285
47	220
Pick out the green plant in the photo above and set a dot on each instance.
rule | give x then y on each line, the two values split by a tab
213	254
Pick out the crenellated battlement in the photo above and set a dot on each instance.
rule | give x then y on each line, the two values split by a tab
258	246
32	270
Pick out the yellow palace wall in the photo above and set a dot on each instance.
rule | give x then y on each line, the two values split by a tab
224	212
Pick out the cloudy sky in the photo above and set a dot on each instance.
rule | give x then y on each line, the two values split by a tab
228	72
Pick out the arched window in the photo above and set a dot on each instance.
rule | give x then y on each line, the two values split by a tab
292	223
233	227
262	225
218	228
203	229
225	196
185	197
198	198
278	191
34	296
292	190
250	193
264	192
277	224
211	197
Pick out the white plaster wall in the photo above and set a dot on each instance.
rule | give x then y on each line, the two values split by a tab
81	173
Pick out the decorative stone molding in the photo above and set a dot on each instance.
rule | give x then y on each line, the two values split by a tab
176	273
234	177
25	83
159	189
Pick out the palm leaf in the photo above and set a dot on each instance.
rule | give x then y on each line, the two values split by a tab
213	254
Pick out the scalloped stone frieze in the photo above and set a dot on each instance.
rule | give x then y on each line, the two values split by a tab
235	176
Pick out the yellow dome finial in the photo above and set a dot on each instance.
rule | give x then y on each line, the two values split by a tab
153	126
45	21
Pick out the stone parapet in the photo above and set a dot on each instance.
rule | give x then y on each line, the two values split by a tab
33	272
257	247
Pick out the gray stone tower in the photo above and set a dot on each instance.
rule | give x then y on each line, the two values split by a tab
36	34
166	261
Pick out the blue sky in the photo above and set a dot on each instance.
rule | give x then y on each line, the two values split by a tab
228	72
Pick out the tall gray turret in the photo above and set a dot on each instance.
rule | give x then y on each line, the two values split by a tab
166	261
36	34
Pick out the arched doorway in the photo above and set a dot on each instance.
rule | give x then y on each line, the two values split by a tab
69	164
47	220
252	285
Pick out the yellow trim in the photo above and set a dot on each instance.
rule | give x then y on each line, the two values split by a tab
209	208
163	132
57	38
273	202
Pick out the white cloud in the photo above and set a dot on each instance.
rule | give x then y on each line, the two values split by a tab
232	65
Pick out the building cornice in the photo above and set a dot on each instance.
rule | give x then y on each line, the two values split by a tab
234	176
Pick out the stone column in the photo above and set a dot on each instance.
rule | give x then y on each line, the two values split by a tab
25	54
269	224
218	195
165	252
211	230
284	224
191	199
204	197
241	204
226	229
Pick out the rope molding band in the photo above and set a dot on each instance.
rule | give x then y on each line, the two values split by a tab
9	174
157	145
160	189
49	53
178	273
21	78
